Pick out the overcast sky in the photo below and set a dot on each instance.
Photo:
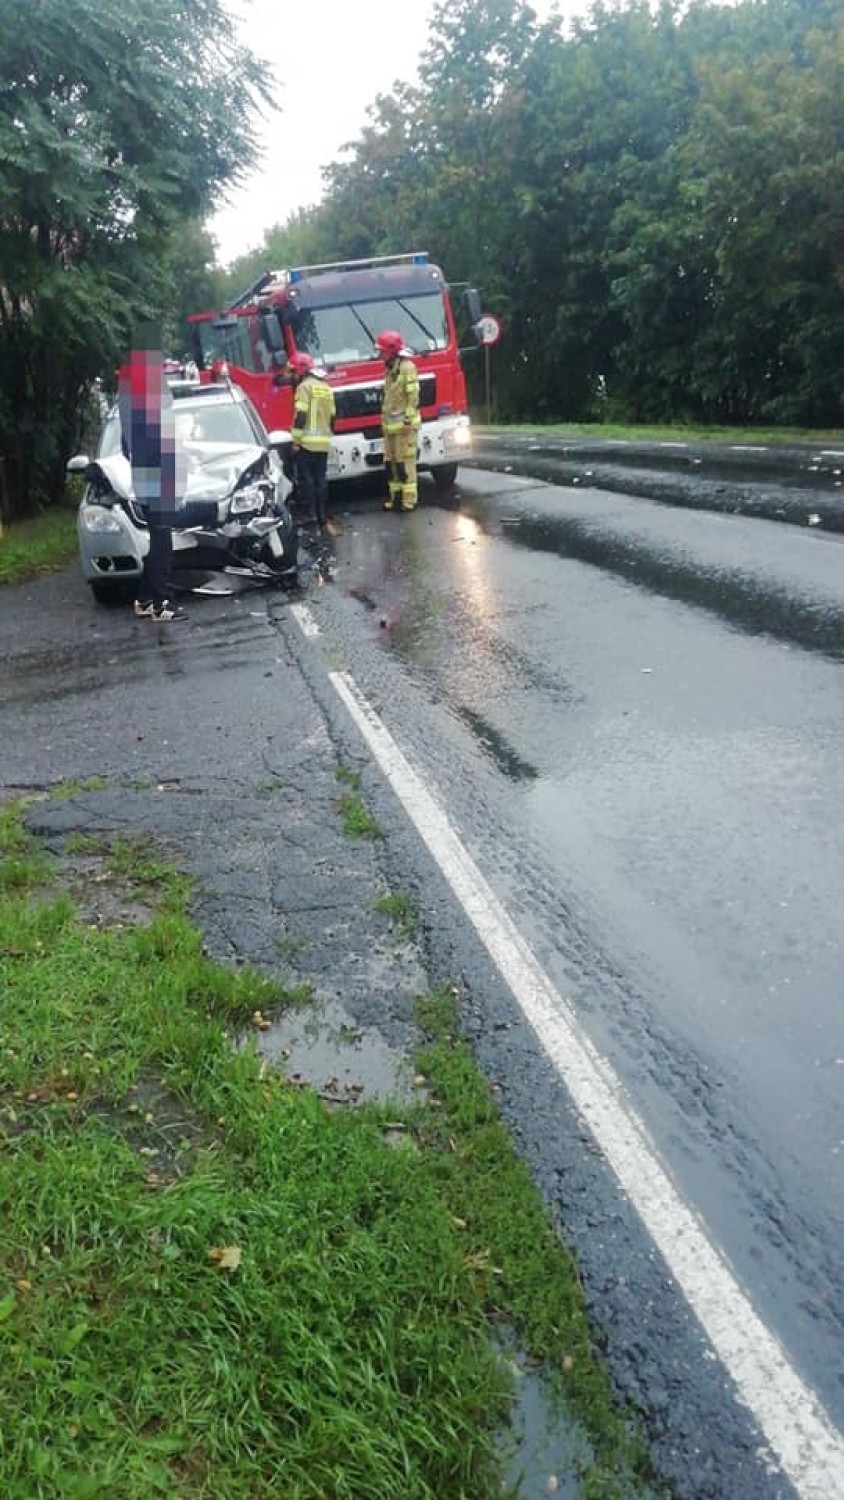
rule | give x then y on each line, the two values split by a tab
330	61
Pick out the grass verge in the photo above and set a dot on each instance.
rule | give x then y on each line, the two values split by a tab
213	1288
38	545
656	433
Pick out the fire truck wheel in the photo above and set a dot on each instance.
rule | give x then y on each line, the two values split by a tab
444	476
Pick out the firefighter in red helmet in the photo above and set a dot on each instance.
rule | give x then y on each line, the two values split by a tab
313	424
399	421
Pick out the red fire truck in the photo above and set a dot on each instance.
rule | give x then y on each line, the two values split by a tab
334	313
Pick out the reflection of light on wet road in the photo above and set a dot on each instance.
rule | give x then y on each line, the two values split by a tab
471	552
466	528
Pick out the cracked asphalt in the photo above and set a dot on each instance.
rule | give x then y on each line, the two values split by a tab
210	741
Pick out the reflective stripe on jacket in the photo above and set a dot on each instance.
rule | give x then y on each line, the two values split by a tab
315	404
400	405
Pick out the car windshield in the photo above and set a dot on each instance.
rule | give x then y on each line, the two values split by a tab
338	335
215	423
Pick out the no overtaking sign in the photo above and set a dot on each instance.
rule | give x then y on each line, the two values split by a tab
488	329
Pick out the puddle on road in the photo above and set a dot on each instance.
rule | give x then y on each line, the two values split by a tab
326	1050
547	1448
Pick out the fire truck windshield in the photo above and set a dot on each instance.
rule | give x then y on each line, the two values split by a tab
236	339
342	335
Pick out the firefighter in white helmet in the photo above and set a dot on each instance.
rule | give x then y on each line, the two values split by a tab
399	421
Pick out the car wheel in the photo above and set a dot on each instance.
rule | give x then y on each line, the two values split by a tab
444	476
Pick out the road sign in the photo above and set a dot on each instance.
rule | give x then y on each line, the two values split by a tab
488	329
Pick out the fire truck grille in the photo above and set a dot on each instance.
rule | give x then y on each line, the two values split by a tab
365	400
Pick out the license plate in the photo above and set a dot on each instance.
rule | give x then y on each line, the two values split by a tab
375	446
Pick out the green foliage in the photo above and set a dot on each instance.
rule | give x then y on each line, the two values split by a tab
42	543
651	200
401	911
358	822
118	126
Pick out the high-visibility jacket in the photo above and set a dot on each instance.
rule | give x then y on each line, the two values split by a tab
400	403
313	415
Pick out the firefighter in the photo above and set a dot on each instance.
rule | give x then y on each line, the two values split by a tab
399	421
313	424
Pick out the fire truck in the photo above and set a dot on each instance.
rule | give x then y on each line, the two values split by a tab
334	313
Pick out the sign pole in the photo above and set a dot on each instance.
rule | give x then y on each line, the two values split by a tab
487	332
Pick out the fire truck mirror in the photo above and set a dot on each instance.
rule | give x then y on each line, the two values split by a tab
223	323
473	304
279	359
272	333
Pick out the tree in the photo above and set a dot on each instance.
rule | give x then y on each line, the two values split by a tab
653	203
764	169
118	126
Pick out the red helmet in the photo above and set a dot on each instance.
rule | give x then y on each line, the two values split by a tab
390	343
300	363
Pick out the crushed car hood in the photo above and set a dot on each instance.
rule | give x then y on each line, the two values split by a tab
212	471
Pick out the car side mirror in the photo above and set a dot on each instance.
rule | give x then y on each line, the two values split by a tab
278	438
78	464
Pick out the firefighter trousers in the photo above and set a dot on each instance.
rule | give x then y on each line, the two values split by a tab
400	458
312	484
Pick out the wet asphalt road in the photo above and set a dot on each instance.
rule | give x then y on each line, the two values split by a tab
632	714
802	484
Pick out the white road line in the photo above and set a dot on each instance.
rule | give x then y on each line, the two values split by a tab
803	1439
748	448
305	620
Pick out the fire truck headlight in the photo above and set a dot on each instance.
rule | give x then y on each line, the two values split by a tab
461	435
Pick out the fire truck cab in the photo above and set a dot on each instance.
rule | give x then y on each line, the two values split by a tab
334	312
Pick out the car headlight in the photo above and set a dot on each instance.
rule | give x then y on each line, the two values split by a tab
249	497
99	518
